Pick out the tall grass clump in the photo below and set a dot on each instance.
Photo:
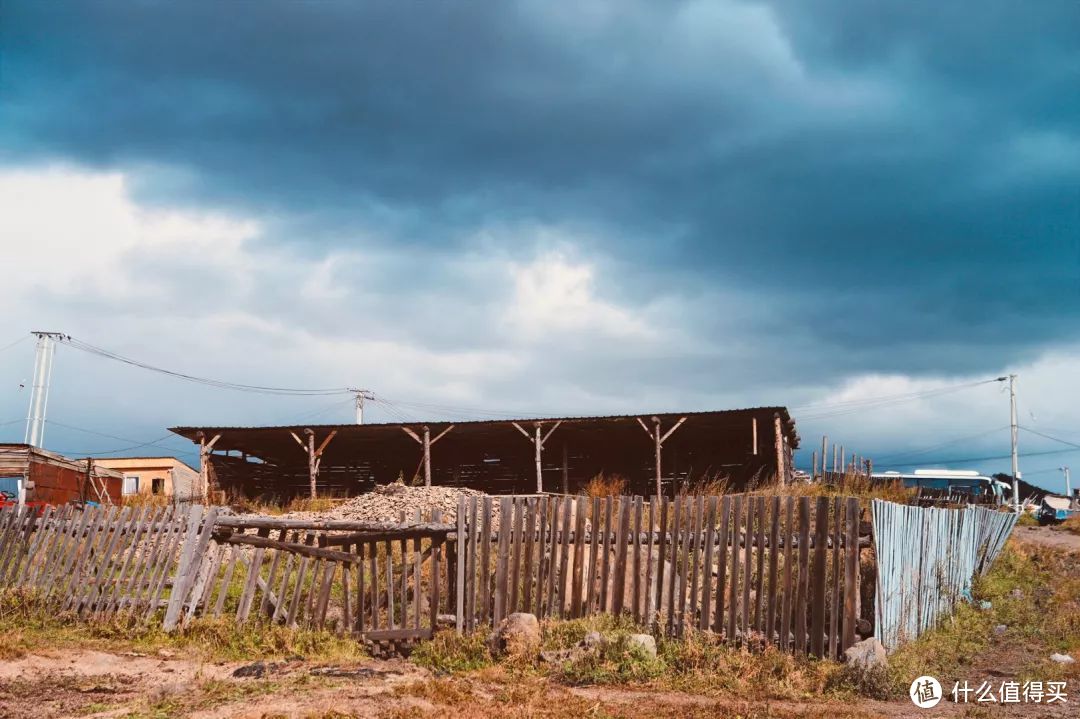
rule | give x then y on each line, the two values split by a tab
614	485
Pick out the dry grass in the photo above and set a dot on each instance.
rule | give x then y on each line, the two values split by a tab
146	500
698	663
1035	593
27	623
602	485
1072	524
853	485
273	507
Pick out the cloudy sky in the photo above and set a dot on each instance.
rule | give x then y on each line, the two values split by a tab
536	207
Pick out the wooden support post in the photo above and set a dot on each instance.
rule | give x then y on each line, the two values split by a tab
754	442
565	470
813	464
824	454
781	472
313	471
426	441
658	440
314	455
538	446
205	448
659	453
427	456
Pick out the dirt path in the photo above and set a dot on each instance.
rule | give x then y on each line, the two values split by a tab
110	685
1052	537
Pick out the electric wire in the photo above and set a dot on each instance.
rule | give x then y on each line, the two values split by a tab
137	444
219	384
1047	436
901	457
838	409
19	341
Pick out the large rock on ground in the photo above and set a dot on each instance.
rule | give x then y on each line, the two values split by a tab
644	643
867	654
518	634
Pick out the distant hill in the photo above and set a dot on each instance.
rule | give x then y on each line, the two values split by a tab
1028	491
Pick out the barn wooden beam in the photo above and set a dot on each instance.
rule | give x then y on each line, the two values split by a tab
658	443
781	472
538	440
313	466
205	448
426	441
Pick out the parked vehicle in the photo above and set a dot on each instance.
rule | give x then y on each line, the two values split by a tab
958	484
1054	510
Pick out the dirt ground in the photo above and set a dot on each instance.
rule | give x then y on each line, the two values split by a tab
50	683
1052	536
102	684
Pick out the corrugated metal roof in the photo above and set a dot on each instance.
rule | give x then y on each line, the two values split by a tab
185	431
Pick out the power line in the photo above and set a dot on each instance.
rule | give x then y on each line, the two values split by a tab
958	460
837	409
220	384
22	339
137	443
1056	439
903	456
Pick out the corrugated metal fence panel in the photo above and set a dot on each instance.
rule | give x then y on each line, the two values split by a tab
927	559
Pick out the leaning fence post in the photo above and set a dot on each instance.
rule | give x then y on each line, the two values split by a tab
190	560
459	557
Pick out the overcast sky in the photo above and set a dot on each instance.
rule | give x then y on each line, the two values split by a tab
550	208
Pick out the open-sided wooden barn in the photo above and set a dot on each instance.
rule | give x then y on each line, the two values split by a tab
652	452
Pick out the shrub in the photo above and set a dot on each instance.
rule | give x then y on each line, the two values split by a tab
449	651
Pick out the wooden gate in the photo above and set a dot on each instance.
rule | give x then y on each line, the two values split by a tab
382	581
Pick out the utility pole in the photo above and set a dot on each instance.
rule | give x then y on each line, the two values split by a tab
39	391
1068	486
1015	456
361	395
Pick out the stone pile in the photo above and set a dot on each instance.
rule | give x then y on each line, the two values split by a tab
386	503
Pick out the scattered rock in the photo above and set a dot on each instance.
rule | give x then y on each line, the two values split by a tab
643	642
1061	658
985	605
558	656
353	672
519	633
166	653
1000	630
1017	593
255	670
867	654
593	639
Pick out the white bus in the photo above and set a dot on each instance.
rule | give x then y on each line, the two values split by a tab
982	489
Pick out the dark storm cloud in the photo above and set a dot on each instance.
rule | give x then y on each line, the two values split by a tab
893	186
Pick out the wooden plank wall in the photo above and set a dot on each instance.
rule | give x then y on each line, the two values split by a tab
927	559
755	569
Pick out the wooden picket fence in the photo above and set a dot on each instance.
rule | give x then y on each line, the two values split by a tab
363	578
755	570
752	569
103	559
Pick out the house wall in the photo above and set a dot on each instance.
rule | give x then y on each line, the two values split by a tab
177	479
54	483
